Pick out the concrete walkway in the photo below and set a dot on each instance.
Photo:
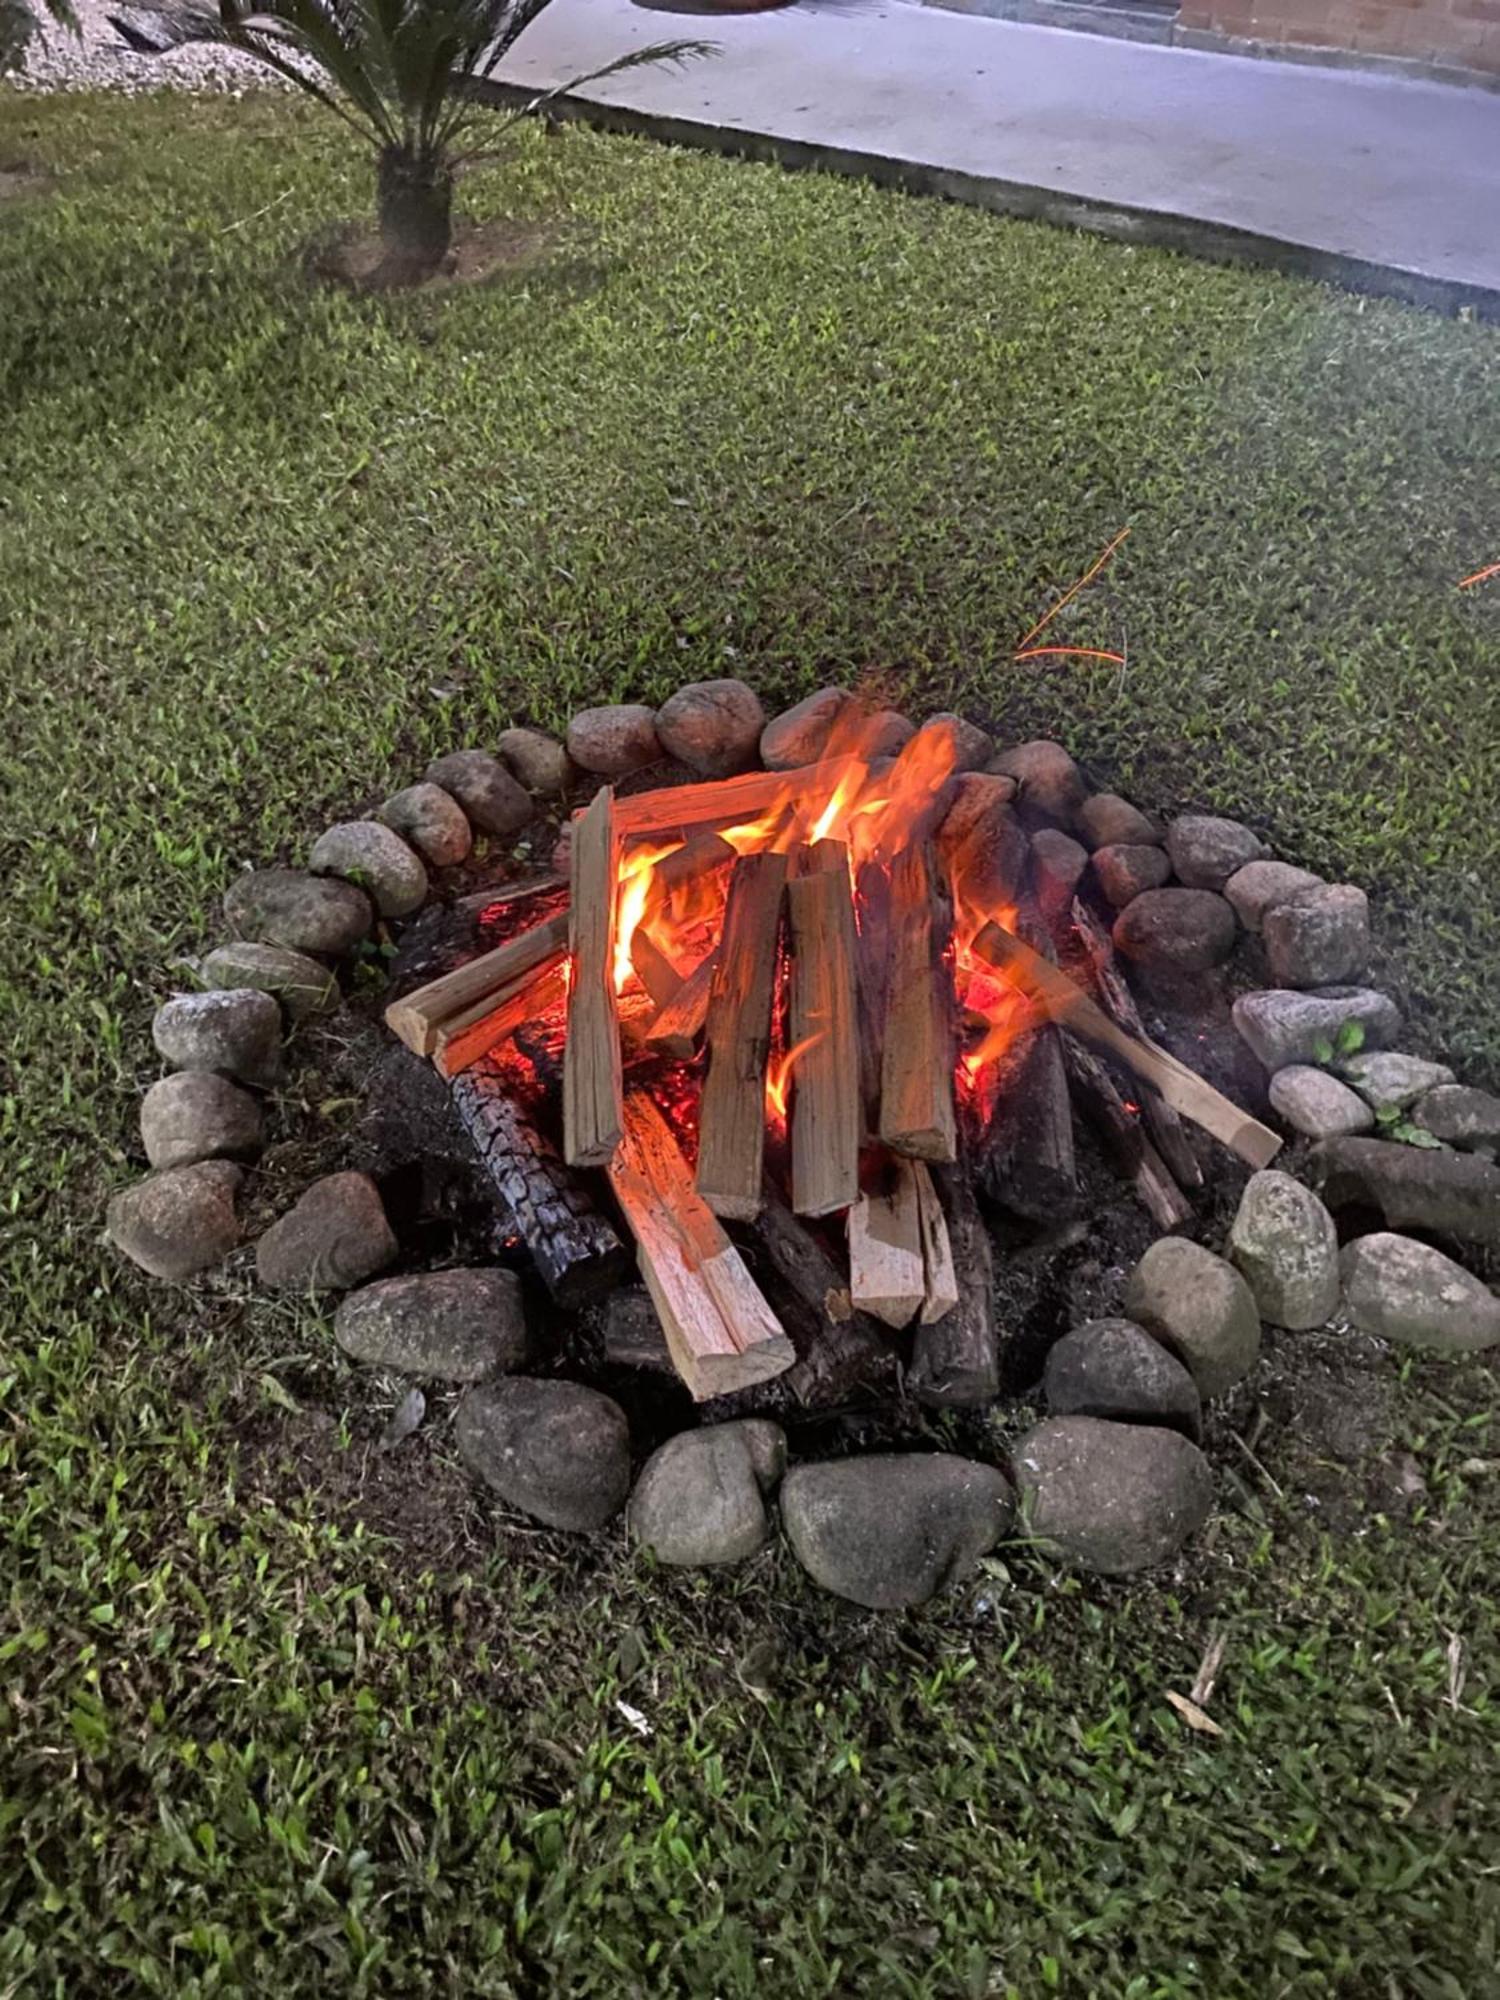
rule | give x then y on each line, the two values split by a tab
1365	180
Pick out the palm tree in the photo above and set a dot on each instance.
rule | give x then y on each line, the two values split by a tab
402	73
18	23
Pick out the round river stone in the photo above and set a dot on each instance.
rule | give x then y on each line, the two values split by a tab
713	727
306	913
366	852
556	1450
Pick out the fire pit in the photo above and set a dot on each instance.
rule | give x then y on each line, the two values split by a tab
806	1022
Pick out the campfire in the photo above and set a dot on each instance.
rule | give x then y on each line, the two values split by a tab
828	1008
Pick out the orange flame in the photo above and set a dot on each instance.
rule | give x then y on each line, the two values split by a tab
779	1075
636	870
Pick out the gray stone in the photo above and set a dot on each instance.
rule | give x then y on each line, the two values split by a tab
446	1326
973	747
1206	850
1282	1027
1318	1105
799	735
1412	1294
1460	1116
1284	1244
539	761
613	741
1113	1368
894	1528
236	1032
1124	873
303	986
306	913
1058	862
178	1222
559	1452
702	1497
489	795
1050	785
335	1237
1264	885
368	853
1200	1308
1321	939
1111	1497
1176	930
1107	820
1455	1194
713	727
885	734
1391	1081
199	1116
433	821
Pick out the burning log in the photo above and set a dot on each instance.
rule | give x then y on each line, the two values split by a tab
680	1022
1025	1160
576	1252
887	1267
462	997
872	976
826	1117
722	1335
1185	1091
732	1126
506	893
462	1041
721	801
1162	1122
916	1075
593	1116
653	968
688	866
956	1358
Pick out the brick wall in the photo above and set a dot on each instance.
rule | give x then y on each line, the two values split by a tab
1460	33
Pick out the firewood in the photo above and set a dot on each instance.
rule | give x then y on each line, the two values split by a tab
506	893
462	1041
680	1022
722	1334
940	1276
653	968
1163	1123
1122	1132
956	1359
916	1075
732	1119
418	1018
688	866
1024	1161
826	1115
887	1269
593	1116
872	979
722	801
576	1252
1185	1091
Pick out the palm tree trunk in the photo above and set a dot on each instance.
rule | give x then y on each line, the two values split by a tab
415	199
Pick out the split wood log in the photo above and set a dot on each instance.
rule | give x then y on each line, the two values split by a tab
506	893
418	1017
653	968
887	1268
462	1041
1182	1088
723	801
826	1117
722	1334
1025	1161
680	1022
732	1117
872	979
940	1275
688	866
1125	1137
1162	1122
956	1359
593	1114
576	1252
916	1073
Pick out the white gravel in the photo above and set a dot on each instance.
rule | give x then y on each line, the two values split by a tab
98	60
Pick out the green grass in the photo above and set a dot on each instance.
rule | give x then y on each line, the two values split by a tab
264	548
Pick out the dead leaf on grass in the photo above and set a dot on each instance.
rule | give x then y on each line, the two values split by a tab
1195	1718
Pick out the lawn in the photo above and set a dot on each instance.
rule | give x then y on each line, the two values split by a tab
265	548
